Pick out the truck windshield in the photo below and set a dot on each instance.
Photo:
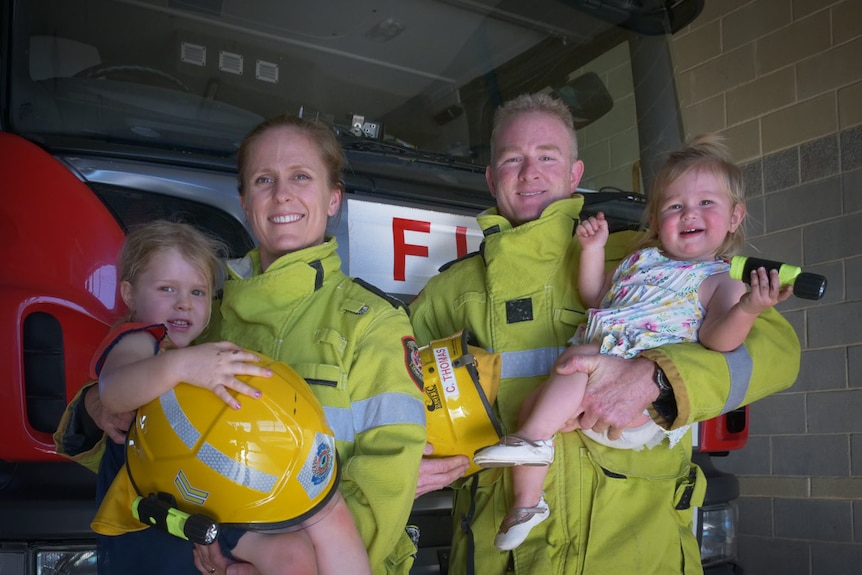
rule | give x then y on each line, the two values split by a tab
191	77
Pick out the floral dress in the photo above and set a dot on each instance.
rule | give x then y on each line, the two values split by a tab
653	301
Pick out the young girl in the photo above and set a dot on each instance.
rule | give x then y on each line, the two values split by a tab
675	288
167	274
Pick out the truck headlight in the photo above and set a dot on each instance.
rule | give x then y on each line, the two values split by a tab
718	533
75	560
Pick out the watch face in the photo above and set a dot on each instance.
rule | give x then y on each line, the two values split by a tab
661	380
665	403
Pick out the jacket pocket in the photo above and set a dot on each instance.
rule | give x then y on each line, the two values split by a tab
649	517
321	374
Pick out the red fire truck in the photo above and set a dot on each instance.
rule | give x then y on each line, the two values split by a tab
116	112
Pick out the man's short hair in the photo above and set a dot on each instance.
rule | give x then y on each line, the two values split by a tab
543	103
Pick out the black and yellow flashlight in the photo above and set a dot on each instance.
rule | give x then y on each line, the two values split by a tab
805	285
161	511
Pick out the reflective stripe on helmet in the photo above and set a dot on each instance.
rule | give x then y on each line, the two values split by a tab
232	469
225	466
377	411
178	420
529	362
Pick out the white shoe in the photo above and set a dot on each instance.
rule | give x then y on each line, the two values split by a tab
514	450
518	524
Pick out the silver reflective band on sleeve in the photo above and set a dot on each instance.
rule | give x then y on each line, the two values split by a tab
740	366
529	362
377	411
225	466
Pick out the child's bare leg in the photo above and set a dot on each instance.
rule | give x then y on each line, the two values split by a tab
337	543
278	553
528	482
550	408
528	508
558	402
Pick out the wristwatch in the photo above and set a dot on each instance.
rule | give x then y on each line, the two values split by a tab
665	403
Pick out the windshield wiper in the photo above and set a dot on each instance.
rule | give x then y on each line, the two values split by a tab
407	153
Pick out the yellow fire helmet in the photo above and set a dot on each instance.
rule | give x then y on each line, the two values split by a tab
267	466
461	382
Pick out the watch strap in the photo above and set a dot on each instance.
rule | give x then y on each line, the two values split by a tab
665	403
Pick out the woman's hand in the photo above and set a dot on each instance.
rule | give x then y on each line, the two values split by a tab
435	473
214	366
209	560
115	425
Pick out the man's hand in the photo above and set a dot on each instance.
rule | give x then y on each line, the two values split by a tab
438	472
116	425
209	560
618	390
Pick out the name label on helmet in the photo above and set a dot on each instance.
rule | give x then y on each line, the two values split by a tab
446	372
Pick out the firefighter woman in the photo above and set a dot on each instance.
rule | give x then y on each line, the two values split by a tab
288	299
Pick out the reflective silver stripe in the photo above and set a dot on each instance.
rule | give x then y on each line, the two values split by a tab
538	362
530	362
340	421
740	366
209	455
235	471
178	420
377	411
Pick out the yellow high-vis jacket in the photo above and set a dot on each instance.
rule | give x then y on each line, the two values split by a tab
356	350
611	510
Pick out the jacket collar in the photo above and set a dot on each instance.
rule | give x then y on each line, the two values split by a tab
307	268
492	222
518	259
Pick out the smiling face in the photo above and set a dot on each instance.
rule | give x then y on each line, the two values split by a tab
532	167
170	290
696	215
287	195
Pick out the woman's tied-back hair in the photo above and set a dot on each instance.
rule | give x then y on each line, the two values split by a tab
527	103
708	153
318	132
148	240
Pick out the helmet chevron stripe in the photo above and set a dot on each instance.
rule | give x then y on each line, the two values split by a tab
225	466
187	492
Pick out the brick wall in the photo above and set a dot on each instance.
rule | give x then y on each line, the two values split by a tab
782	80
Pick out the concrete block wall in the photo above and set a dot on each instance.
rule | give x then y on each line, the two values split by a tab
782	81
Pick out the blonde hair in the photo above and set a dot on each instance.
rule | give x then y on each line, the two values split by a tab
540	103
148	240
707	153
321	134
